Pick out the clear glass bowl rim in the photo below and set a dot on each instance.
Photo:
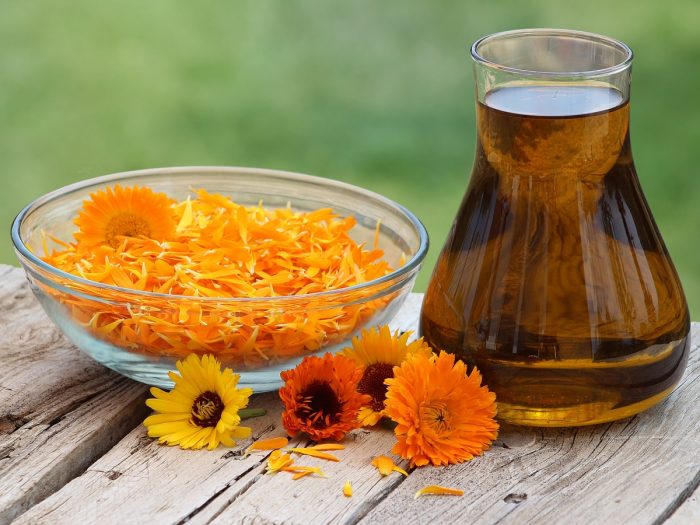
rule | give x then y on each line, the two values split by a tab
398	275
581	35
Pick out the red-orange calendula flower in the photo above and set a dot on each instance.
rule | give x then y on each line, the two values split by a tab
320	397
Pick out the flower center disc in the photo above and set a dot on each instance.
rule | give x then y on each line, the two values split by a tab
320	404
127	224
207	409
372	383
437	416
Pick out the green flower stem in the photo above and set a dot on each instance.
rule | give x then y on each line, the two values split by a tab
247	413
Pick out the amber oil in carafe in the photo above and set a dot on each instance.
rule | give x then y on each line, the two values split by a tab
554	280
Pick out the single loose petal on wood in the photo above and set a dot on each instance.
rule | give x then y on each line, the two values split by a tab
438	490
268	444
315	453
306	470
386	466
347	489
328	446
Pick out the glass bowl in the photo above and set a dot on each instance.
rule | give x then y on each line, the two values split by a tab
82	307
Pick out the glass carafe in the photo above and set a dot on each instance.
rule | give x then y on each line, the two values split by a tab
554	279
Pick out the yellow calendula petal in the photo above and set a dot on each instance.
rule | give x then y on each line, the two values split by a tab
347	489
398	469
314	453
278	461
268	444
301	471
304	468
437	489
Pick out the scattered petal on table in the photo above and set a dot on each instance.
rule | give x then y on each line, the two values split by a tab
438	490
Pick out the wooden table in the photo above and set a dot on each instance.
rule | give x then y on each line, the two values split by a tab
73	450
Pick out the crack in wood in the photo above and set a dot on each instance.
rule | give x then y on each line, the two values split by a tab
218	493
676	504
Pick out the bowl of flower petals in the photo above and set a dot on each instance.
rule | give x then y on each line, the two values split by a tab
257	267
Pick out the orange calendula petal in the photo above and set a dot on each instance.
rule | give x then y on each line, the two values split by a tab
303	468
268	444
328	446
278	461
386	466
437	489
315	453
347	489
209	246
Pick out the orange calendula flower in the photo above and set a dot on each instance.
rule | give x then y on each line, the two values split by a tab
114	213
443	415
203	407
377	352
386	466
438	490
320	397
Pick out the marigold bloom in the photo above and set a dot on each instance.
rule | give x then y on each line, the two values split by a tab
377	352
443	415
202	408
320	397
116	212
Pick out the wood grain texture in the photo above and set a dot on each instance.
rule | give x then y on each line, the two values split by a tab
61	413
277	498
638	470
139	481
59	410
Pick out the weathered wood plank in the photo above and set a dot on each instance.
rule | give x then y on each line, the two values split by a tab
59	410
139	481
689	511
638	470
313	499
317	500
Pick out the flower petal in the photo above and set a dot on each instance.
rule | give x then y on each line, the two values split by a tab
268	444
315	453
437	489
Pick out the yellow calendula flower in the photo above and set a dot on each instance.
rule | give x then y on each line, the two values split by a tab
202	409
377	352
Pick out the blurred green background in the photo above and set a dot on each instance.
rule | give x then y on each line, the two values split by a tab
374	93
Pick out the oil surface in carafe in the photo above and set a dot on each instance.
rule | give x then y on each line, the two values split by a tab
554	280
